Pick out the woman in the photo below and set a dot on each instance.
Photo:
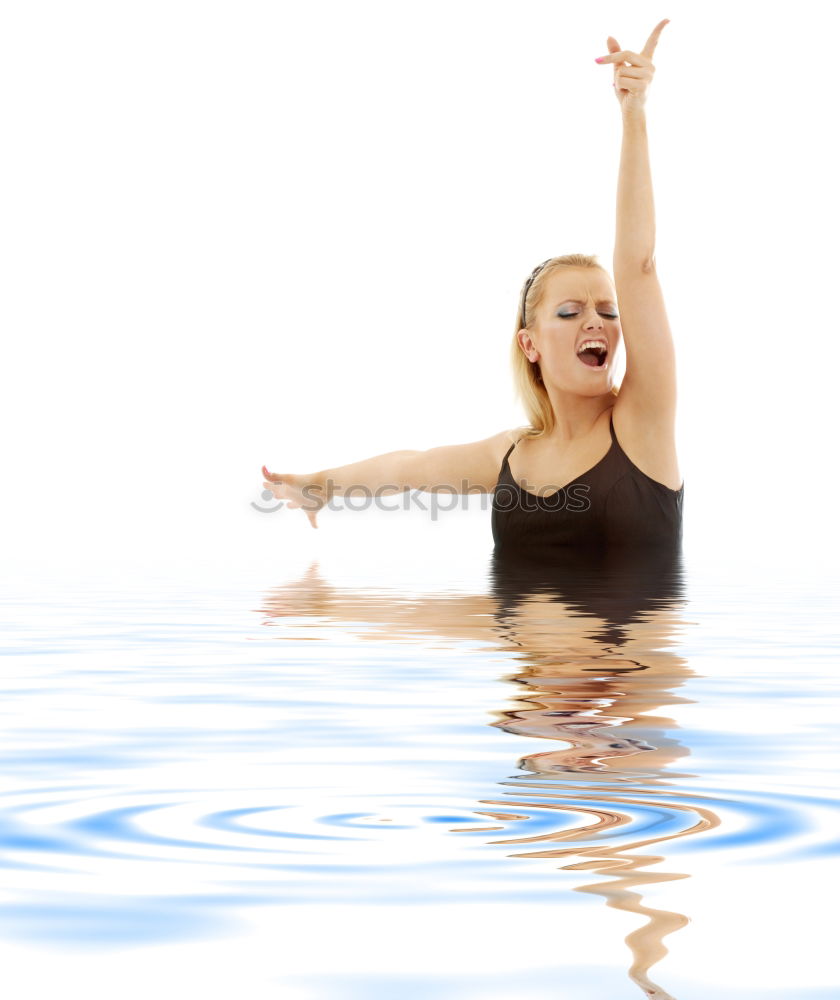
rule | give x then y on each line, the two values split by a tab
597	467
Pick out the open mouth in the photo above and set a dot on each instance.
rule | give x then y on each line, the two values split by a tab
593	353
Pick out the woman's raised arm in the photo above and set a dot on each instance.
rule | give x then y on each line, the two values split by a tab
649	385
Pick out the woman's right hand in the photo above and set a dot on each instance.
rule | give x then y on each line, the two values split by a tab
632	82
299	491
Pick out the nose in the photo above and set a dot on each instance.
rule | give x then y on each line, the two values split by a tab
594	321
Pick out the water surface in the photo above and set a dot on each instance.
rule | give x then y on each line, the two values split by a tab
613	784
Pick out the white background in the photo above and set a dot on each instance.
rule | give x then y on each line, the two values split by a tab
236	233
295	234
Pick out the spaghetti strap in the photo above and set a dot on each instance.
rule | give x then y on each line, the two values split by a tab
505	461
504	464
612	430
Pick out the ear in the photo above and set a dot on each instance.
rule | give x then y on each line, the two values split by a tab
527	344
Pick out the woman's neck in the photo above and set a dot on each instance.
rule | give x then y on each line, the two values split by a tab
575	416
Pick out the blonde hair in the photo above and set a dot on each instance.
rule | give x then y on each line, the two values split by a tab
526	374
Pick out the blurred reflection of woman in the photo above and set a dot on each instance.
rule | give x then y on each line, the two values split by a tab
593	663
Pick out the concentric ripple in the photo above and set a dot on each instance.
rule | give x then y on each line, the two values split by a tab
164	767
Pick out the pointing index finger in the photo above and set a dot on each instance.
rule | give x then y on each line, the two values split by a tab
650	44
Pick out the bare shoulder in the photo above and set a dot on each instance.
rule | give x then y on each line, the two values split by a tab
492	452
507	438
504	441
460	466
649	442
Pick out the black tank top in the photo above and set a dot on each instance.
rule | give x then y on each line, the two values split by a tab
614	505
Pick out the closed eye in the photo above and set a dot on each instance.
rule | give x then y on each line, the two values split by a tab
572	315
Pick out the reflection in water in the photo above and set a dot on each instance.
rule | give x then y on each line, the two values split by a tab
594	643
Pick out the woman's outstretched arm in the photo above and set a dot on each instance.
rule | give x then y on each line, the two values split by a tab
455	469
649	386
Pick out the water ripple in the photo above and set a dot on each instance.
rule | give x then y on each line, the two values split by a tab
510	746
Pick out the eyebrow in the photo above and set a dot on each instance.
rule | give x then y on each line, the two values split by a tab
581	302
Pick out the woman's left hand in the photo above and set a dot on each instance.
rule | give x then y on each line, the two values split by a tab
631	82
